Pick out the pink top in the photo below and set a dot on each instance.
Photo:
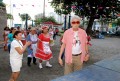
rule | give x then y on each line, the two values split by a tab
68	41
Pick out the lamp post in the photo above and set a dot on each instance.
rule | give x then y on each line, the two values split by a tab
10	12
65	22
32	23
26	21
44	9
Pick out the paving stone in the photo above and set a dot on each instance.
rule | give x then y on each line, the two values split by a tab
91	73
111	63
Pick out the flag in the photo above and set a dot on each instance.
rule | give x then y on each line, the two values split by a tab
33	5
14	5
21	4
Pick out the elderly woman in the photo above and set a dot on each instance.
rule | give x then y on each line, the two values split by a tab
32	48
44	52
75	44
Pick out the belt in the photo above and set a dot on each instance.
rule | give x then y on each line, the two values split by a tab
76	54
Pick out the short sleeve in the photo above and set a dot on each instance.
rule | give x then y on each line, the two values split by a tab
9	36
15	44
64	39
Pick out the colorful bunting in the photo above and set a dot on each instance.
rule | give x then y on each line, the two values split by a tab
73	7
33	5
18	5
101	7
81	7
14	5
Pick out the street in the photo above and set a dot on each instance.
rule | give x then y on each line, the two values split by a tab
100	49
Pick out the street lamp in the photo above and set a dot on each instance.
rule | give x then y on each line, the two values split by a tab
26	21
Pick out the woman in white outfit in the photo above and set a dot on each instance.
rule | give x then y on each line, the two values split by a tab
16	55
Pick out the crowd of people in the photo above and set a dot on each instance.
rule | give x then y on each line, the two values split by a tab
38	44
74	47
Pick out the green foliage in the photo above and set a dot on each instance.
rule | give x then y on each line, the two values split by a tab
1	0
9	16
103	8
45	19
61	8
92	9
23	17
2	4
118	21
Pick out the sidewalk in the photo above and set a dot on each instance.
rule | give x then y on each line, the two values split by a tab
105	70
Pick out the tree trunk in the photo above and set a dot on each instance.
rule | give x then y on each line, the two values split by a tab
89	28
92	18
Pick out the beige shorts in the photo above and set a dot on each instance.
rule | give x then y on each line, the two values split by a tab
16	65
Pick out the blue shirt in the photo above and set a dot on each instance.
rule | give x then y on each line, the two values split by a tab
10	37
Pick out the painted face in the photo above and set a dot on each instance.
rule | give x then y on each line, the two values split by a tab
75	23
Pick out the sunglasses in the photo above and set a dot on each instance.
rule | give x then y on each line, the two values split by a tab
75	22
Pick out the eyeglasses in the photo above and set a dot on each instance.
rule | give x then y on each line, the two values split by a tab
75	22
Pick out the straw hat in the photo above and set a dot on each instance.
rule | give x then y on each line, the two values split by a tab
33	28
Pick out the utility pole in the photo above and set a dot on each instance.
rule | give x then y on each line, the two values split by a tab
65	22
44	9
26	23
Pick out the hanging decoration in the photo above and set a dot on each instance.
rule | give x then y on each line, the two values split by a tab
73	7
100	7
81	7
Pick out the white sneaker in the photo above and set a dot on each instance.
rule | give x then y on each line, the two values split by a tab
40	66
48	64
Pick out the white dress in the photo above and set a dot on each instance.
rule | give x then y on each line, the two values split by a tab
15	57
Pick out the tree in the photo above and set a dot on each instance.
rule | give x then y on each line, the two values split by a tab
38	21
23	17
92	9
118	21
9	16
2	4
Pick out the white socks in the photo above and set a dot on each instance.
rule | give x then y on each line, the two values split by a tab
48	64
40	65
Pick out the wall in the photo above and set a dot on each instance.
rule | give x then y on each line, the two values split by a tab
3	21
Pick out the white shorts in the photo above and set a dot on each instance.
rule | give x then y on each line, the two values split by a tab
15	65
